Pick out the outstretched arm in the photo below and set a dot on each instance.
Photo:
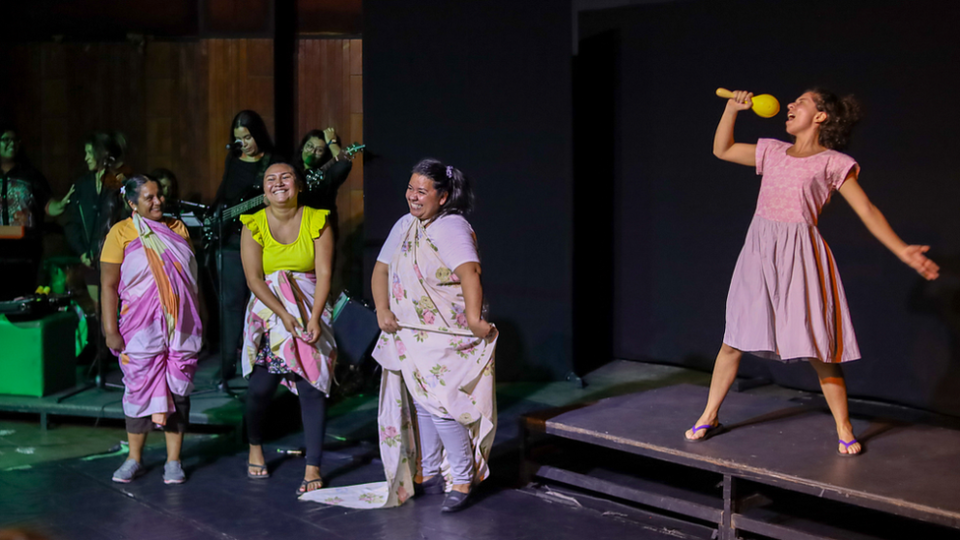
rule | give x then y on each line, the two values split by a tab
871	216
724	147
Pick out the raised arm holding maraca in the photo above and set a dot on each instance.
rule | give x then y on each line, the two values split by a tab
786	301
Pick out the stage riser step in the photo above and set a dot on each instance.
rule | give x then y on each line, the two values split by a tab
794	529
653	496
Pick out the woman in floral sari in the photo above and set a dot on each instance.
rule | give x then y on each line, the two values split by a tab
148	266
436	350
286	250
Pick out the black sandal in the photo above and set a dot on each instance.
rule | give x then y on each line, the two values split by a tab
305	486
258	468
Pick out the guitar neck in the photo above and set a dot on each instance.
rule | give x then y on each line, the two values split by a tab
235	211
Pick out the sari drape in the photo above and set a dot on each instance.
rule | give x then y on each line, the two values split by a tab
159	320
433	359
312	361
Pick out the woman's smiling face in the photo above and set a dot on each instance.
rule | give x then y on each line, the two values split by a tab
423	198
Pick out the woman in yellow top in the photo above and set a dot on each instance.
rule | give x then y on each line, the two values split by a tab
286	250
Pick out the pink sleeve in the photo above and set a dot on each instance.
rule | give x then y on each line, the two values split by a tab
762	146
392	242
455	241
839	168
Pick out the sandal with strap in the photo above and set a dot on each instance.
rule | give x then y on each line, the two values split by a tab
262	468
710	432
305	486
847	446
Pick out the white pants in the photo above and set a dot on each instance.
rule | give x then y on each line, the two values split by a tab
438	434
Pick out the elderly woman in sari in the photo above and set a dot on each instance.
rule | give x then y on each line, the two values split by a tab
426	285
286	250
148	266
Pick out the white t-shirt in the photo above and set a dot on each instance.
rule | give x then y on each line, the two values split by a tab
453	236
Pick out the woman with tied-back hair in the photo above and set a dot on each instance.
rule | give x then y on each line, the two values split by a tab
287	250
150	278
243	173
436	349
786	301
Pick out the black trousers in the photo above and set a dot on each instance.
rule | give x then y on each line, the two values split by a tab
234	297
313	410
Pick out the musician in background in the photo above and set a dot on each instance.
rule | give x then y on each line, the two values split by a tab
24	193
251	152
170	189
95	205
324	170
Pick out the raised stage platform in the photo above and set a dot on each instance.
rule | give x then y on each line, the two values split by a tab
209	407
775	472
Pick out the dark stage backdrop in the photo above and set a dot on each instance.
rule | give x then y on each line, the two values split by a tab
484	86
680	215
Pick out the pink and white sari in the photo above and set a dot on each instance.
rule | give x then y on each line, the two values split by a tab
159	320
312	361
435	360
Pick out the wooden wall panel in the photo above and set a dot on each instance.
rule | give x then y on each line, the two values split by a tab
329	78
174	101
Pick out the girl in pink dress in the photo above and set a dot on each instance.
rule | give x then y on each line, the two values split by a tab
786	301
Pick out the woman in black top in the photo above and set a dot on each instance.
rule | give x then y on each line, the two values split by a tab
94	205
250	155
324	169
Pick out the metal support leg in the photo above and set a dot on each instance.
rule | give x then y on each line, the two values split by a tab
44	424
727	530
524	468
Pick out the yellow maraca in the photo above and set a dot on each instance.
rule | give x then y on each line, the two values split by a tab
764	105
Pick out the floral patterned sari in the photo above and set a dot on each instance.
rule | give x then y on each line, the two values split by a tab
433	359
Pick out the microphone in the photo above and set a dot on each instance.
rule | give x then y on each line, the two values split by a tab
765	105
235	145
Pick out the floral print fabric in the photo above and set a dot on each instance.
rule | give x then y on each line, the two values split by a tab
313	362
433	359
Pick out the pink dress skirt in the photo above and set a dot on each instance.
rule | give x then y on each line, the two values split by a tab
786	301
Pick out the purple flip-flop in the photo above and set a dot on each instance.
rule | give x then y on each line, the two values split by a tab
710	432
847	445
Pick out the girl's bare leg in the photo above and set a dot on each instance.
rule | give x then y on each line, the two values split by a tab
835	391
724	372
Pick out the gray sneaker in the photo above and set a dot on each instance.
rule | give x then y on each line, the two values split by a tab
173	473
128	471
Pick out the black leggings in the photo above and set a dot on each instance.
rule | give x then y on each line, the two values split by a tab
313	410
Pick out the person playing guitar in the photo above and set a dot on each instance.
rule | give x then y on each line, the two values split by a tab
251	152
325	167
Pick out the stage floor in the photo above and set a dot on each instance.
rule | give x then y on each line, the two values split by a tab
908	468
72	497
59	480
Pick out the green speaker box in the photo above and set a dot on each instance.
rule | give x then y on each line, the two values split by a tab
38	357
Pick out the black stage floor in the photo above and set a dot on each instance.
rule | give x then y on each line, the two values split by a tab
74	498
909	468
78	501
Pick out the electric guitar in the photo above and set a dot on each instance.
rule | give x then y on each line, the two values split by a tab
254	199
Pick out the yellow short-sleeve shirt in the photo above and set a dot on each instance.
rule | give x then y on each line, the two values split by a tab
124	232
297	256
